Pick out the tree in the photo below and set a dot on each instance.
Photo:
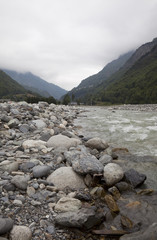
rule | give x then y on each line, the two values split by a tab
66	99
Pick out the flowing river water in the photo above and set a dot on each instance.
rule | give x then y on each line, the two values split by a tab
125	127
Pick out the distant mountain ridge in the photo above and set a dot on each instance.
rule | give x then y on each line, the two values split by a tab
36	84
8	86
135	82
88	85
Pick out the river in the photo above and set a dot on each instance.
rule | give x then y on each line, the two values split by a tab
133	129
128	127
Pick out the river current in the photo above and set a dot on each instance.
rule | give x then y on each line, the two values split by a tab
132	129
128	128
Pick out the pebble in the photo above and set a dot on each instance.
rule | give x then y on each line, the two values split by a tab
50	179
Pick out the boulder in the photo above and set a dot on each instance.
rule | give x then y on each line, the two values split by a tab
113	173
6	225
66	204
97	143
87	164
83	218
134	178
66	177
21	233
62	141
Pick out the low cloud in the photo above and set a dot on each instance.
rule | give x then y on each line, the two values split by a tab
66	41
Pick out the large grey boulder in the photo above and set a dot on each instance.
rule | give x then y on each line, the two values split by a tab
87	164
21	233
97	143
66	177
66	204
83	218
62	141
6	225
113	173
149	233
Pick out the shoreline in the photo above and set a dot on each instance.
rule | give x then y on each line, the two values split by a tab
56	185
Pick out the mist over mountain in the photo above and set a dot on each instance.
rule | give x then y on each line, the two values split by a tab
36	84
132	79
89	84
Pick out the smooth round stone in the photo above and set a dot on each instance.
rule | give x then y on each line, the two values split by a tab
6	225
66	177
41	171
113	173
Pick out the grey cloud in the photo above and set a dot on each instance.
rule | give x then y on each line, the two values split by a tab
66	41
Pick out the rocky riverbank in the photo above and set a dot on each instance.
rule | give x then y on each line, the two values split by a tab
55	184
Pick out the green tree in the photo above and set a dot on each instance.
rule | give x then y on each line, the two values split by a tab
66	99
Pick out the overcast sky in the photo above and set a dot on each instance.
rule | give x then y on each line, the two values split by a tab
65	41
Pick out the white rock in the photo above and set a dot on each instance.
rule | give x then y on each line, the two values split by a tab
66	177
66	204
34	144
20	233
9	166
62	141
39	123
113	173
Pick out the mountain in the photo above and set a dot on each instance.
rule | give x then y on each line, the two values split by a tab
8	86
36	84
137	85
135	82
87	85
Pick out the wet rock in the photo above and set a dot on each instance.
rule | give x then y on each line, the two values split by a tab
66	177
6	224
113	173
66	204
20	182
115	192
62	141
105	159
135	178
148	233
97	143
98	192
41	171
83	218
87	164
122	186
111	203
21	233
